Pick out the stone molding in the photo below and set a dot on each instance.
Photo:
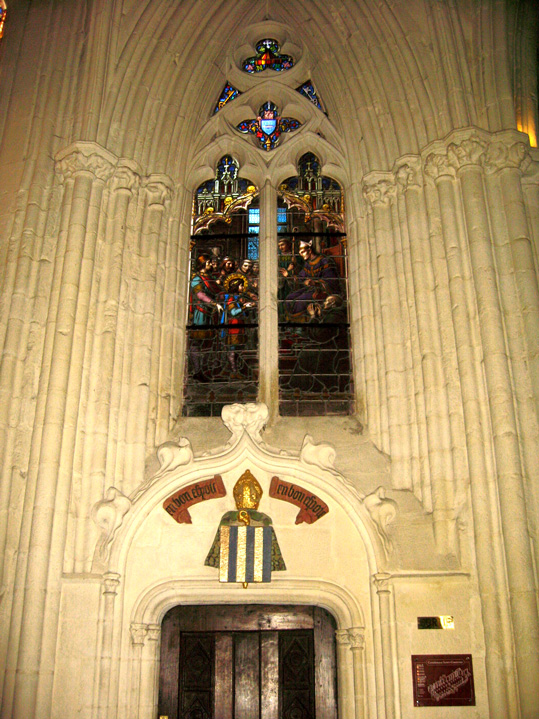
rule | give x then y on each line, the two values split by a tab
122	174
491	152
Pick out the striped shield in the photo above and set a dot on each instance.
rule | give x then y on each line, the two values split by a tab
245	554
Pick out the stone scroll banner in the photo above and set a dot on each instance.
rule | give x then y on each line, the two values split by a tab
178	504
311	506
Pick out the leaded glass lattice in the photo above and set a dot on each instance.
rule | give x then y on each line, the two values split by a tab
222	326
314	337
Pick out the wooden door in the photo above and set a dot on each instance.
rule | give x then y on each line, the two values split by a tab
248	662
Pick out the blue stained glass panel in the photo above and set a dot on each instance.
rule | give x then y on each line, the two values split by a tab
229	93
308	91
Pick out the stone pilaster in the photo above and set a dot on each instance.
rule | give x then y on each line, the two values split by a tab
382	582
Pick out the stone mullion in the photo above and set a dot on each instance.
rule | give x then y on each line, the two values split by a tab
268	329
87	162
156	378
506	443
345	675
381	194
124	183
488	542
440	479
530	190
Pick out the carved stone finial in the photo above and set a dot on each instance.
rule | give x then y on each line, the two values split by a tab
382	512
109	514
172	455
321	455
250	418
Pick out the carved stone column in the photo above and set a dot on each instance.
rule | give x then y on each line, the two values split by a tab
107	678
345	676
466	157
142	395
383	589
149	673
357	645
379	190
124	185
464	198
138	633
86	167
438	486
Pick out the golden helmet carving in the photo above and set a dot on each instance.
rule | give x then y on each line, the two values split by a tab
247	492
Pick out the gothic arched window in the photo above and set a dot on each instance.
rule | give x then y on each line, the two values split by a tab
306	298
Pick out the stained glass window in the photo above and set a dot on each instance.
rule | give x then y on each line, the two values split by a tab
268	55
268	126
308	91
3	13
314	339
229	93
222	326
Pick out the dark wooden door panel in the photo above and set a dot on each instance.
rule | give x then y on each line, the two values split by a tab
248	662
246	676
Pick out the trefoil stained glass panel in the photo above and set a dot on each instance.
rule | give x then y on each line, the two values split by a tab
267	56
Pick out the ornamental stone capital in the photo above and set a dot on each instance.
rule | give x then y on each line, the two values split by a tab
342	637
85	157
111	581
501	155
379	188
126	177
408	173
382	582
154	632
356	636
138	632
159	189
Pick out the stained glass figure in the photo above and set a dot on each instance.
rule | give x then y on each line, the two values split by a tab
268	55
3	13
268	126
308	91
314	342
222	326
229	93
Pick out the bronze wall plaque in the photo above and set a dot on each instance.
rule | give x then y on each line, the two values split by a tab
443	680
